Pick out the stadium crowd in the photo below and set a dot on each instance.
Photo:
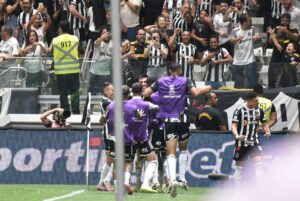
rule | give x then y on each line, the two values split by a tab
217	35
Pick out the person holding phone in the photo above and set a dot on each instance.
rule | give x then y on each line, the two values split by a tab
157	54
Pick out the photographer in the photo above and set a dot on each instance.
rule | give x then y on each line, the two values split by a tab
59	117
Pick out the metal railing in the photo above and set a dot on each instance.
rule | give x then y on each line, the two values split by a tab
13	77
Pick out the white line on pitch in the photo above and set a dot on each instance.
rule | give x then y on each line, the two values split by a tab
65	196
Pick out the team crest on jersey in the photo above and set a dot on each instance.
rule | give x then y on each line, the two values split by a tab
257	114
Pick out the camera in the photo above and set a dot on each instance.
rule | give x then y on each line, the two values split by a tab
65	114
62	115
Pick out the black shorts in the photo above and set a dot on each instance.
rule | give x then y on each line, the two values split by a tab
243	153
145	148
128	152
105	139
157	137
177	130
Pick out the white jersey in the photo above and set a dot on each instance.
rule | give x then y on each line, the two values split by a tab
102	59
33	62
222	26
7	49
243	50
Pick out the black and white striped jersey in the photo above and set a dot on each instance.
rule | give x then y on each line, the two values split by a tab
180	22
155	58
81	8
24	18
234	17
276	8
248	123
215	72
183	54
205	5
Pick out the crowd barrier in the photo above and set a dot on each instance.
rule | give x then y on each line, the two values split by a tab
58	156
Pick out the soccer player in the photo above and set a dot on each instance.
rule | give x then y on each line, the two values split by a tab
173	91
141	137
245	124
107	169
130	117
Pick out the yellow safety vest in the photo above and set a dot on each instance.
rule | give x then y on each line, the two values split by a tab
266	105
65	50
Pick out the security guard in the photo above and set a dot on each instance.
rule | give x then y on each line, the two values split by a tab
66	67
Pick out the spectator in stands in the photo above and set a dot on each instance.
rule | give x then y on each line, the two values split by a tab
3	14
33	50
9	48
130	10
288	7
203	28
37	23
59	116
24	18
211	6
244	69
96	21
55	9
266	105
210	118
233	13
183	20
77	20
290	61
223	28
161	26
217	60
138	62
272	13
186	53
172	6
101	68
13	9
280	37
152	9
157	54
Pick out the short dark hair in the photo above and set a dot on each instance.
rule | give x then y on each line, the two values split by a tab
175	66
286	15
65	26
106	84
8	29
208	96
243	18
224	1
136	88
258	88
250	95
125	90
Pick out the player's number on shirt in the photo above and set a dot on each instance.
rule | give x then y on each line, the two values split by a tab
65	44
263	106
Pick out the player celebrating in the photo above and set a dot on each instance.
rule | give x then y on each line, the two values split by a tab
173	91
245	124
141	136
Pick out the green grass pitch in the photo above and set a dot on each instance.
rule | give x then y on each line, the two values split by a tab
43	192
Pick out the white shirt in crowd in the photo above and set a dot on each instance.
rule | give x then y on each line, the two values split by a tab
33	61
102	59
295	16
243	50
9	48
130	19
222	26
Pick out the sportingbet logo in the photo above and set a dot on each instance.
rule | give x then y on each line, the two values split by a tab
31	159
211	160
